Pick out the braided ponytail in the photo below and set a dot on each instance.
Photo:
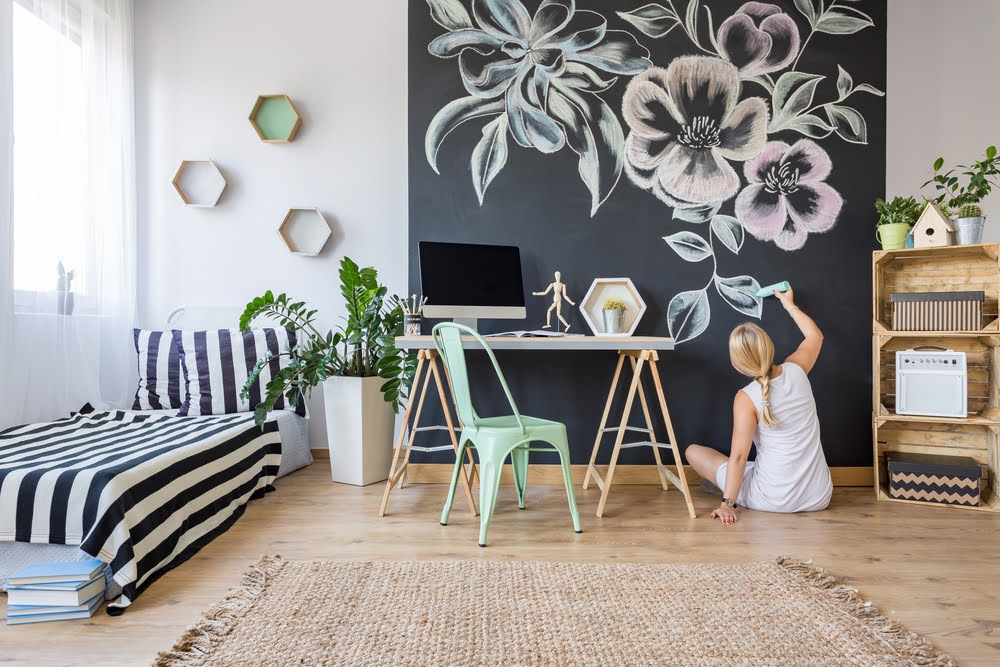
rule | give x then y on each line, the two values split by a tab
751	352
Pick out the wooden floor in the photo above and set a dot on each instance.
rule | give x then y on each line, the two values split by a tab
936	570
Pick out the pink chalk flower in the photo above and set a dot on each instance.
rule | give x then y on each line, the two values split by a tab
759	38
786	199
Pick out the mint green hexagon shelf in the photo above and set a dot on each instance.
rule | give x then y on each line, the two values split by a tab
275	119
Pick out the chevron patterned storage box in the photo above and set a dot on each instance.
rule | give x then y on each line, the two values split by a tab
951	480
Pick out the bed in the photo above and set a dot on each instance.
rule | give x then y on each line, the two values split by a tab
142	490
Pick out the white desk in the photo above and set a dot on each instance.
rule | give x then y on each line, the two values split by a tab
641	351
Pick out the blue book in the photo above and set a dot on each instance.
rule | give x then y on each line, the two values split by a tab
41	610
31	596
44	615
48	573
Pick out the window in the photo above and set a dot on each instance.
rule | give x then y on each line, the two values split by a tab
49	201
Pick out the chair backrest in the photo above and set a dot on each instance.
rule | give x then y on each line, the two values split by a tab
447	338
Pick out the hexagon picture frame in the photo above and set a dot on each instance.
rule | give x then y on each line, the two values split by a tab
275	119
592	305
199	183
305	231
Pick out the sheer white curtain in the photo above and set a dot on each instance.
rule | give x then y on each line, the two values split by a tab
68	206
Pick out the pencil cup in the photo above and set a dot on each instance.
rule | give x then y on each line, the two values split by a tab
412	324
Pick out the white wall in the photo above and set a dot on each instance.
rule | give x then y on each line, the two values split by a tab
199	68
942	95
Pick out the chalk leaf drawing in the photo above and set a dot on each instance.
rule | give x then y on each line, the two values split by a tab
698	123
540	73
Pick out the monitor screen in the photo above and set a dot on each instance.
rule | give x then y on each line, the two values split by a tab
464	274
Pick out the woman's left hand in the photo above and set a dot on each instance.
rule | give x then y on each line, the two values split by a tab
725	513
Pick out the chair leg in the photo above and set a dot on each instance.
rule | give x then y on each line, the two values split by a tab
567	471
490	468
462	446
519	465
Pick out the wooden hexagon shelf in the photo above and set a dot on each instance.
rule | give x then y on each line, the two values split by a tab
305	231
275	119
621	288
199	183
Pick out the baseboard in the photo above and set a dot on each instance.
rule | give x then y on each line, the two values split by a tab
440	473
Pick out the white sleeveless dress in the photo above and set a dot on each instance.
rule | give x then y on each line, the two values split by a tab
790	473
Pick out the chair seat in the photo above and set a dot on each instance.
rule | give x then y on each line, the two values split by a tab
511	422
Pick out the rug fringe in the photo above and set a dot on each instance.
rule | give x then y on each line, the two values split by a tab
913	648
196	645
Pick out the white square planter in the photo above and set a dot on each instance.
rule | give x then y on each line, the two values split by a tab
359	426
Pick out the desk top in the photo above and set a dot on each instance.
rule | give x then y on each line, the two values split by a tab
614	343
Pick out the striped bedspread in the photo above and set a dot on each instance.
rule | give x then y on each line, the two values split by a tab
141	492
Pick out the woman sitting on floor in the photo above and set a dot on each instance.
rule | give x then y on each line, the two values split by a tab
778	411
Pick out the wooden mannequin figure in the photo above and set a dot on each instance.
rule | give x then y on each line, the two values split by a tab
558	289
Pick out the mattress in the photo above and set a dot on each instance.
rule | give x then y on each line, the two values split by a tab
295	454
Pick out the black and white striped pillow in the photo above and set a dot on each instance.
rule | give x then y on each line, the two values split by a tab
161	381
216	365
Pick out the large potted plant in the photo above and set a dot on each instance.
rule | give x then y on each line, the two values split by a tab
894	220
964	196
364	375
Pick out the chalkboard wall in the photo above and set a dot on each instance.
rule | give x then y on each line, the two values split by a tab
699	148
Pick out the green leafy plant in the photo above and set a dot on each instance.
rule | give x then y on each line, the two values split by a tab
970	211
614	303
899	210
981	176
364	346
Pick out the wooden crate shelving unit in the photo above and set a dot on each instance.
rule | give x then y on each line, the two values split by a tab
951	268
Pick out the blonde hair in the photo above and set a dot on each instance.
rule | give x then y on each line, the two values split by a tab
751	351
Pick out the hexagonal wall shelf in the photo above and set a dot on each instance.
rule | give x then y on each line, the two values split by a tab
593	304
305	231
199	183
275	119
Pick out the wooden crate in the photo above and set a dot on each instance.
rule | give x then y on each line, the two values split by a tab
918	436
947	269
982	355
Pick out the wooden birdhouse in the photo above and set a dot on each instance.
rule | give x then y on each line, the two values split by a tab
933	229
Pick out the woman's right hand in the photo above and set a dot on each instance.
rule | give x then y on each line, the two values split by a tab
787	299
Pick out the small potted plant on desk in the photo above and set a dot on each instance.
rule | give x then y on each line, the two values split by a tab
614	312
364	375
894	221
966	200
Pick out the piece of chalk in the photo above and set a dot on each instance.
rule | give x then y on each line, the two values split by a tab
783	286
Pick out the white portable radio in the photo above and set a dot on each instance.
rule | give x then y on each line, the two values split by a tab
931	382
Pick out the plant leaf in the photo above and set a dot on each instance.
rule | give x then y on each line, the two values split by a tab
845	84
843	21
849	123
690	246
450	14
652	20
594	133
490	155
728	230
868	88
740	292
811	126
451	116
793	94
807	9
696	214
688	315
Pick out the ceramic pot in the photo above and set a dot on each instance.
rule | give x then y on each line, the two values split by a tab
892	237
359	425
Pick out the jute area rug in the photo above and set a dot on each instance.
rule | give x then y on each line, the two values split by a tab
529	613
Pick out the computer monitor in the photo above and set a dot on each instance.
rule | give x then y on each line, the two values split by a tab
466	282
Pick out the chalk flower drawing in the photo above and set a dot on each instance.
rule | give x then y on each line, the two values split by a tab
536	78
786	199
682	153
686	123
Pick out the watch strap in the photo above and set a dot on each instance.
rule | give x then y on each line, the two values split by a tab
729	502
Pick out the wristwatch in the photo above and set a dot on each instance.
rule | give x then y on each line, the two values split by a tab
730	503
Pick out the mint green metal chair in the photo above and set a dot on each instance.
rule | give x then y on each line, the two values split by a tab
496	437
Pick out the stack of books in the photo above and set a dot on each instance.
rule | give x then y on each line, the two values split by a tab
55	592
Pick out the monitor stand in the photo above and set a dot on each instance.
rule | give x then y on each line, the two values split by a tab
470	322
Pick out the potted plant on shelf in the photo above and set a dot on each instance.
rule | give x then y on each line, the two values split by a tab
894	221
364	376
954	197
614	311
